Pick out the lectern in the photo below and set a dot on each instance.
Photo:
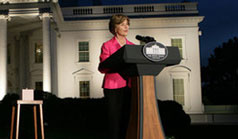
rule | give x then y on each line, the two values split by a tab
132	61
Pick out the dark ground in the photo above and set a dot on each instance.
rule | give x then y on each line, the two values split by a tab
194	132
86	119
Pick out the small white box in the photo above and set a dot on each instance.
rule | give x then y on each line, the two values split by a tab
27	94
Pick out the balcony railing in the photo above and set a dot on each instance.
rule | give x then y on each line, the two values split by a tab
82	11
166	9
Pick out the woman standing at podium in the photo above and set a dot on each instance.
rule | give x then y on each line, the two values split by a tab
116	88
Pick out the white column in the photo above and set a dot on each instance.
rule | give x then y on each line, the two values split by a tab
46	52
3	55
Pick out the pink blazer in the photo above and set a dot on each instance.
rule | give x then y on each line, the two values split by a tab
112	80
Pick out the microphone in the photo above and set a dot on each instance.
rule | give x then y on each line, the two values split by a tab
145	39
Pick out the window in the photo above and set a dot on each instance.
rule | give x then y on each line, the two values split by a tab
177	42
178	90
84	88
83	52
38	85
38	53
83	83
180	85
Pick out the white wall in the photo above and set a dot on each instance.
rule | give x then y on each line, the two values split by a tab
67	71
162	29
68	65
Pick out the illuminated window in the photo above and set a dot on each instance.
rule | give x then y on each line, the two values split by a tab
83	52
38	53
177	42
178	90
84	88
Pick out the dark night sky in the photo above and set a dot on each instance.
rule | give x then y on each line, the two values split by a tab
219	25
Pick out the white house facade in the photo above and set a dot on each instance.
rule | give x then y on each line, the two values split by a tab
56	49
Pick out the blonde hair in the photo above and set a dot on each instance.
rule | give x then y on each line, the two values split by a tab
116	20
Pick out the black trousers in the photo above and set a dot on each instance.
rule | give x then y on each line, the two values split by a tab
119	102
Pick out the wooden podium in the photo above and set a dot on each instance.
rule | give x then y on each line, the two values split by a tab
145	120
